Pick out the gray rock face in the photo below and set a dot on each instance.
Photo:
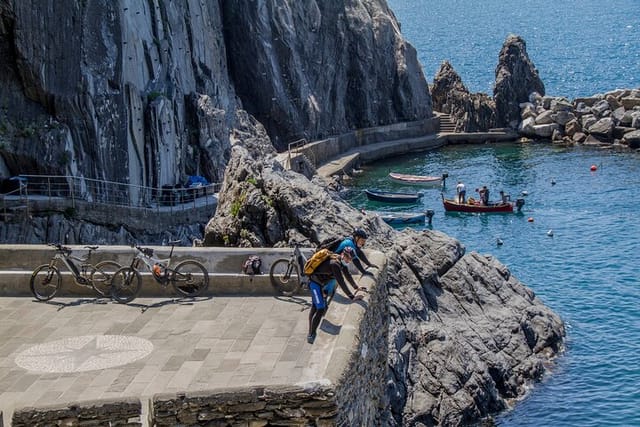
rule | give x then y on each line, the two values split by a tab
315	68
516	78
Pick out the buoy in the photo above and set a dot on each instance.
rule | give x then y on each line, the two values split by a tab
594	168
524	192
530	219
499	241
550	233
553	182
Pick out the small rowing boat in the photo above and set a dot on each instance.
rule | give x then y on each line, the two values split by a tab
392	197
402	218
421	180
451	205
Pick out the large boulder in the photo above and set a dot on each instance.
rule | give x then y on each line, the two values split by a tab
516	78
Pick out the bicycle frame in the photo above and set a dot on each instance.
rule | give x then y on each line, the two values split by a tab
68	260
145	255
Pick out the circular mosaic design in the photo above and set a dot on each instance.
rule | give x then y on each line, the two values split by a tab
84	353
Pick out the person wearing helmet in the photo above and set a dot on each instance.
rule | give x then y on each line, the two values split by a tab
323	282
357	242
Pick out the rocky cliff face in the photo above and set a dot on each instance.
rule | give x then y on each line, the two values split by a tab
147	92
465	336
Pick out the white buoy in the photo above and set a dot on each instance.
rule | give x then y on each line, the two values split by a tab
525	193
499	241
553	182
550	233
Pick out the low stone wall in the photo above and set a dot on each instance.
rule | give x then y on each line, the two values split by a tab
125	412
283	405
319	151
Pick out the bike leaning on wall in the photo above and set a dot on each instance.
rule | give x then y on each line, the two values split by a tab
189	277
46	279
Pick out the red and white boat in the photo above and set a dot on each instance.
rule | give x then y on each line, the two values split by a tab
451	205
421	180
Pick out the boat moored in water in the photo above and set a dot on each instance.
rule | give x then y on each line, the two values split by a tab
402	218
392	197
421	180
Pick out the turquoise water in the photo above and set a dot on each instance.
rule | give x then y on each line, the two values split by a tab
580	47
587	271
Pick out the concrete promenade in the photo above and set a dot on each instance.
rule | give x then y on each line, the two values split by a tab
81	349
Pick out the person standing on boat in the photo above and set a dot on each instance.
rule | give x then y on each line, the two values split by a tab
461	191
484	195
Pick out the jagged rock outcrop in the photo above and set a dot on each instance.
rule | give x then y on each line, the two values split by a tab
516	78
465	336
471	112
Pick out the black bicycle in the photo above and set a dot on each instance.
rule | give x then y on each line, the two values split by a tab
189	278
46	278
287	274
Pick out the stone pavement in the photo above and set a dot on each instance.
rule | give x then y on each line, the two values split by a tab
78	349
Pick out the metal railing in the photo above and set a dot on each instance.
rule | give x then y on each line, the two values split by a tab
72	189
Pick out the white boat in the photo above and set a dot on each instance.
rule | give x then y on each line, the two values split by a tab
422	180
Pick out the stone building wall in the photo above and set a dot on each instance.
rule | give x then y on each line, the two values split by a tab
124	412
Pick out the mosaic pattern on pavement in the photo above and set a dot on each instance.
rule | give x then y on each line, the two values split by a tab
84	353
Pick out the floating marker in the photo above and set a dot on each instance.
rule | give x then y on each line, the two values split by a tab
550	233
530	219
594	168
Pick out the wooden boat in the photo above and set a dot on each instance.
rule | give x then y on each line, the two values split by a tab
421	180
391	197
451	205
402	218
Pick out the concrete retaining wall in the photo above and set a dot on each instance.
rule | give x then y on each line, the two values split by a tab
224	265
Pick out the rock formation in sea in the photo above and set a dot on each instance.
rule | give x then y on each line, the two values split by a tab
516	79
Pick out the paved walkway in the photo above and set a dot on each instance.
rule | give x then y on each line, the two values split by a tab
71	349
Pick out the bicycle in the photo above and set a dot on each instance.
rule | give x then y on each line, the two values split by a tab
287	274
46	279
189	278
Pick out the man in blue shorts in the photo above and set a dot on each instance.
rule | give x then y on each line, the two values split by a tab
323	282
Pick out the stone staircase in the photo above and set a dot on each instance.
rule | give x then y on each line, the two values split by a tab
446	124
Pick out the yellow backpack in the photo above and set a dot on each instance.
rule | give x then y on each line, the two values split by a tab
316	259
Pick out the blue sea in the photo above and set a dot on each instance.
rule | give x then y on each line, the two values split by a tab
580	47
577	241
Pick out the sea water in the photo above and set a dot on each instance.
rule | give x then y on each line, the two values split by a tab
575	244
580	47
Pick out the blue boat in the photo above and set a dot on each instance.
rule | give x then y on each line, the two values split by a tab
402	218
391	197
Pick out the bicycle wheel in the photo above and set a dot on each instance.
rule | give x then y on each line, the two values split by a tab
190	278
125	285
284	276
45	282
101	277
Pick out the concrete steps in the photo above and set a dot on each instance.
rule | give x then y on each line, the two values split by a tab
446	124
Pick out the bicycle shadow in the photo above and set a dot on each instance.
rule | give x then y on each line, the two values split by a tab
78	302
170	301
303	303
